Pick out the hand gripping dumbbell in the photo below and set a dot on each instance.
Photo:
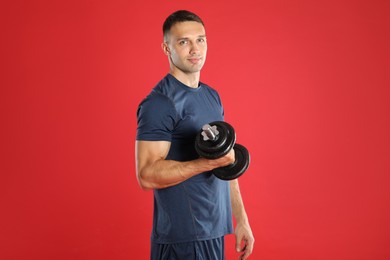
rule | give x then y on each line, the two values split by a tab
215	140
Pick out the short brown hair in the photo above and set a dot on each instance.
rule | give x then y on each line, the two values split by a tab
179	16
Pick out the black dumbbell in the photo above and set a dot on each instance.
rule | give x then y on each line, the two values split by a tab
215	140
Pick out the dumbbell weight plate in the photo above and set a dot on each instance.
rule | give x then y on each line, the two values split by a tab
236	169
221	146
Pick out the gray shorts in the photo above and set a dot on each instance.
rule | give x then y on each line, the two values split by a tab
196	250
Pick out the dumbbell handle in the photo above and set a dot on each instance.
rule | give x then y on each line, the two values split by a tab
210	132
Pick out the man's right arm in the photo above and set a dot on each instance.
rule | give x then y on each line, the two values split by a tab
155	172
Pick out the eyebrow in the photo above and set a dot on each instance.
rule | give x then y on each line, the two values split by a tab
187	38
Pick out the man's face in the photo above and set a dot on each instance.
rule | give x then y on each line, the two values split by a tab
186	46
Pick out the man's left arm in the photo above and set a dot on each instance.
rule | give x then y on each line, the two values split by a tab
243	231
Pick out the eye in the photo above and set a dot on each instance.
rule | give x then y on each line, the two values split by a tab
201	40
182	42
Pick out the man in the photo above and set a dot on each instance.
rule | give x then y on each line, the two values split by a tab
192	208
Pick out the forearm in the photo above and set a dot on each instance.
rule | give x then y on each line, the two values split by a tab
165	173
243	232
237	203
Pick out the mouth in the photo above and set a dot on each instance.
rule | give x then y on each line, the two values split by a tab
194	60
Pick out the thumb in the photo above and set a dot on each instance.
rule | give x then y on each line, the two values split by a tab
238	244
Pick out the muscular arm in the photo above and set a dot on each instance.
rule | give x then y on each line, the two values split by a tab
155	172
243	230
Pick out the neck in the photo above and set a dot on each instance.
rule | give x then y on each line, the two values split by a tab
189	79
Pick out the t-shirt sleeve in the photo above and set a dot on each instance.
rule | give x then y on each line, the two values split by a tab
222	109
219	100
156	117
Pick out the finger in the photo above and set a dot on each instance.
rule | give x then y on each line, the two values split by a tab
244	256
238	248
248	249
238	243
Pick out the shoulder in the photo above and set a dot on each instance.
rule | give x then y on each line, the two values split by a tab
158	103
211	92
159	96
210	89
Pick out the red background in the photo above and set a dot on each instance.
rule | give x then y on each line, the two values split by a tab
305	83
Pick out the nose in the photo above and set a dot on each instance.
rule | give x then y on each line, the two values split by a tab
194	48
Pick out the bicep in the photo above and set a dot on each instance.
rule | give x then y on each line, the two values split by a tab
148	152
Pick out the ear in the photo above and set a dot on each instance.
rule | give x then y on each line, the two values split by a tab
165	48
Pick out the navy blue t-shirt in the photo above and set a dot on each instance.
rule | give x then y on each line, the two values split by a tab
198	208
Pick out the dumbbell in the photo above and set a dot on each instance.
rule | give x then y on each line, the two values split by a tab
215	140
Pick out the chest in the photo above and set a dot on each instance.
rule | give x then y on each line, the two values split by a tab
193	111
